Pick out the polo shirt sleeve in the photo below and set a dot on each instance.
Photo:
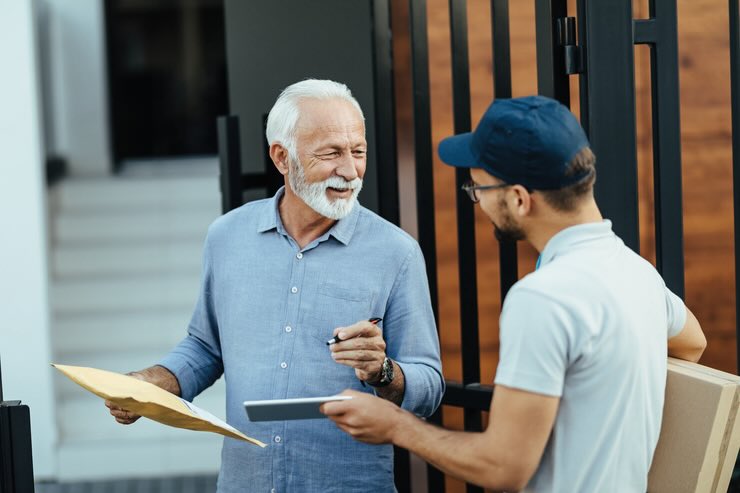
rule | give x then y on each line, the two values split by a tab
411	338
535	338
675	312
196	360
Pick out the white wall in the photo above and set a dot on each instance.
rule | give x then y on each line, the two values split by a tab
24	279
77	84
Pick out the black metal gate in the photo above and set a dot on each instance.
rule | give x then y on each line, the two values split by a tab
595	43
602	55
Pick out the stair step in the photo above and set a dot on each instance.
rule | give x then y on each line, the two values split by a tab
122	295
136	331
137	193
187	224
126	272
196	453
112	260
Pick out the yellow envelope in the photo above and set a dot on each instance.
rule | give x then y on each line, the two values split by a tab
150	401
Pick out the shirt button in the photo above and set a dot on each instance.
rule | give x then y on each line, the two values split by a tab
288	328
283	365
278	439
299	255
294	290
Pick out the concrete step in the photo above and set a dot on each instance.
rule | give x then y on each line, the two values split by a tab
113	260
194	453
138	192
120	296
127	227
137	331
126	268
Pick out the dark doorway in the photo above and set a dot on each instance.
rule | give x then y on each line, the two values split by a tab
166	77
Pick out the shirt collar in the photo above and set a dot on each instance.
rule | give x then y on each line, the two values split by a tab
574	237
342	230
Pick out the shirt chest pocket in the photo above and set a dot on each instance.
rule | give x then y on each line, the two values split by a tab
336	305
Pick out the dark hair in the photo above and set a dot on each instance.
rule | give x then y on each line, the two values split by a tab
566	199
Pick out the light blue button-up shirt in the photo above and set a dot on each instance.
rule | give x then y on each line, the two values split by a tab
265	311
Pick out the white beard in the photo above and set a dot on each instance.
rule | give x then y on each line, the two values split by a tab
314	194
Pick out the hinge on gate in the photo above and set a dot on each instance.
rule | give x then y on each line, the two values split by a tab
572	53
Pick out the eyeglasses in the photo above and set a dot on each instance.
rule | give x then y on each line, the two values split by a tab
472	189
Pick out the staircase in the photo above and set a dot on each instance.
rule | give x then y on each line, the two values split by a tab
126	254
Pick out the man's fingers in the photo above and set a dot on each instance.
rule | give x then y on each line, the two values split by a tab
340	356
336	408
360	329
126	421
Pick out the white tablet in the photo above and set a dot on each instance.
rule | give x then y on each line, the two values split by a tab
285	409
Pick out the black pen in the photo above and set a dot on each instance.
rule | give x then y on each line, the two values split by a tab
336	338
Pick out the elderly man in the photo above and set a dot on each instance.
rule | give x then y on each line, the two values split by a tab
281	277
582	369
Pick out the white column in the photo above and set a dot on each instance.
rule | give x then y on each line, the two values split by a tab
24	277
78	85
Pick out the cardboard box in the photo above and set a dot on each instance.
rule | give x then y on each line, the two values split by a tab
700	434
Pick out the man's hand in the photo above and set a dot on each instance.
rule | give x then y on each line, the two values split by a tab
361	347
122	415
365	417
157	375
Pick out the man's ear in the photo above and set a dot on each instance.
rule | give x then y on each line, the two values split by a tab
279	156
520	201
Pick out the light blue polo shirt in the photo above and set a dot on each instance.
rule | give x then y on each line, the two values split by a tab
591	326
265	311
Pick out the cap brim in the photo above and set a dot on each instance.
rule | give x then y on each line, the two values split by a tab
457	151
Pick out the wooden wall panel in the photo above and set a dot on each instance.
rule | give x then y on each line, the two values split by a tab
706	141
707	172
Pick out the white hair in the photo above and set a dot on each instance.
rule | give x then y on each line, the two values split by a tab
283	118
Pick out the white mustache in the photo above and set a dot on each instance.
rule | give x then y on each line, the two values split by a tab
341	183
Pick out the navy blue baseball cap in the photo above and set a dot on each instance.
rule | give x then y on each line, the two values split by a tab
523	141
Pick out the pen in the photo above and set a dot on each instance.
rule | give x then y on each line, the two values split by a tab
336	338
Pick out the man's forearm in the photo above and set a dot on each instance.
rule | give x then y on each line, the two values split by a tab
395	390
464	455
161	377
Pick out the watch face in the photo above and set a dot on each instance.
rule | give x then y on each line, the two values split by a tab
387	371
386	374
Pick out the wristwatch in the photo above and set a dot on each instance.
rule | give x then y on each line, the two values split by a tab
386	374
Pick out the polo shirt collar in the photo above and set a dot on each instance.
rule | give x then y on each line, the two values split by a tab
342	230
574	237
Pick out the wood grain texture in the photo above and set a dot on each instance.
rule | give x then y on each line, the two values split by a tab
706	159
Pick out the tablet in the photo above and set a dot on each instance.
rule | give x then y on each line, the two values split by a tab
285	409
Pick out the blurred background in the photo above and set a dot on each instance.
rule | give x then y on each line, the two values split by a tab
109	180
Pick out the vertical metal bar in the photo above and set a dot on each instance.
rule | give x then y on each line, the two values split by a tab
423	143
465	214
424	175
385	128
667	146
465	217
735	91
230	162
608	110
112	59
508	271
552	81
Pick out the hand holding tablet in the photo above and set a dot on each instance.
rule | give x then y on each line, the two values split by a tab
288	409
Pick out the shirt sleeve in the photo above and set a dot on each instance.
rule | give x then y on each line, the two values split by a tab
535	338
676	313
411	337
196	360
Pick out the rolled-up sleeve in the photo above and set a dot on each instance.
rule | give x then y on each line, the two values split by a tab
196	360
411	336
